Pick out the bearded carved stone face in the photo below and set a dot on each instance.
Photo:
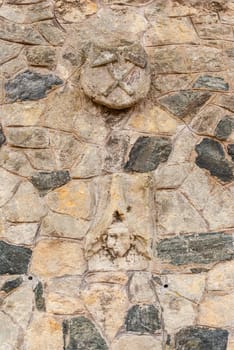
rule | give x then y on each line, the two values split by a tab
117	240
116	77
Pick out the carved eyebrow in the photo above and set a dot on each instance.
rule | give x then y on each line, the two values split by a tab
103	58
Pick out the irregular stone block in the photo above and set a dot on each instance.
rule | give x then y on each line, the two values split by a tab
28	137
136	342
211	156
224	128
203	248
54	35
81	334
10	285
230	149
42	56
8	51
2	137
39	299
45	181
209	82
30	85
18	33
185	103
14	259
147	153
199	338
143	319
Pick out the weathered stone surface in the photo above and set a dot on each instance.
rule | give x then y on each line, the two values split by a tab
90	164
54	35
185	103
45	181
30	85
207	119
143	319
154	121
9	332
8	51
226	101
171	176
8	186
230	150
116	149
209	82
39	299
55	258
84	127
211	156
14	259
136	342
221	277
60	225
224	128
199	338
72	199
44	332
23	233
173	31
203	248
27	14
10	285
41	159
28	137
14	66
141	289
26	205
63	296
176	214
18	33
214	31
42	56
147	153
15	162
101	299
80	333
2	137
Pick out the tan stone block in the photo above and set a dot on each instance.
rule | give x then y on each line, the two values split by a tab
23	113
45	332
26	205
107	277
221	277
217	311
108	305
141	288
90	127
187	286
137	342
154	121
171	31
8	186
22	233
9	333
54	258
15	161
90	164
171	176
177	215
72	199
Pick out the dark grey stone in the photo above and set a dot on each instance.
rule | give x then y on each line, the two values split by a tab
147	153
39	299
30	85
80	334
14	259
143	319
202	248
45	181
184	103
211	156
2	137
211	83
116	149
201	338
230	149
224	128
8	286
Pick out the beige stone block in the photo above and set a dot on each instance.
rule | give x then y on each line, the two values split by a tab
72	199
137	342
141	288
217	311
107	277
8	186
15	161
45	332
177	215
26	205
166	31
54	258
221	277
28	137
187	286
90	164
91	127
108	305
172	175
23	233
154	121
9	333
23	113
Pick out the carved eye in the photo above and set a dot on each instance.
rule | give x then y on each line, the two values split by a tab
103	58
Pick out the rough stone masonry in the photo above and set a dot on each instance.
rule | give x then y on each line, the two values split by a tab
116	175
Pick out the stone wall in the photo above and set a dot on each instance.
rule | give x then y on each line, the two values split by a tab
116	175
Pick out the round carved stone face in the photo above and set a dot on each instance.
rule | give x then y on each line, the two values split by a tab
116	77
